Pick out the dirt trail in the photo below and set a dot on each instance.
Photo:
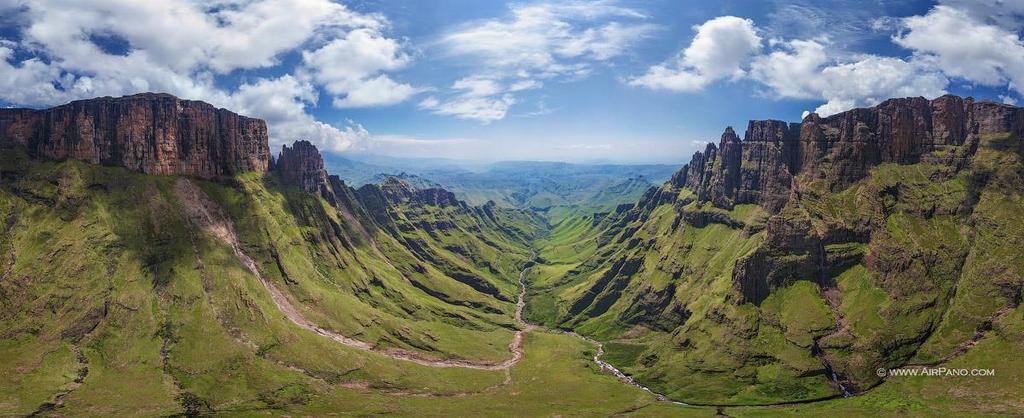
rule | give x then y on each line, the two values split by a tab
207	215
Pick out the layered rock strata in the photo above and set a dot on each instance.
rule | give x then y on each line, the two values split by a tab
150	133
842	148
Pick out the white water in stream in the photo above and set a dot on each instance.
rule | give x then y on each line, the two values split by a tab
605	366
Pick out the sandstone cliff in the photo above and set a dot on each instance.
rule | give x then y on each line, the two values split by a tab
301	165
151	133
842	148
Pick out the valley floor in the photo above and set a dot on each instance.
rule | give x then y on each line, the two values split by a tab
89	329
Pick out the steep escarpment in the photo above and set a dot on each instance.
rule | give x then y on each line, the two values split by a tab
793	263
123	276
302	165
149	133
463	241
841	149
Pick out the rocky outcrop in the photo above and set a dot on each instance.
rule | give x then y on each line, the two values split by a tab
396	191
301	165
150	133
769	159
755	170
724	180
791	251
841	149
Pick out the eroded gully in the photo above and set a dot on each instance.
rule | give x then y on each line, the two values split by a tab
208	216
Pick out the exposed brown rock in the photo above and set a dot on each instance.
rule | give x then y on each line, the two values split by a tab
769	158
725	175
301	165
396	191
841	148
151	133
791	251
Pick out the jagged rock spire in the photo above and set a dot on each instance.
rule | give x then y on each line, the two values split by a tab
301	165
842	148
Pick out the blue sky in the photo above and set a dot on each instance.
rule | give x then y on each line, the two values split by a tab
637	81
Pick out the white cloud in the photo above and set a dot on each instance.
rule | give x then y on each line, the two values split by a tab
182	46
350	68
484	109
1007	99
810	69
540	38
963	46
720	50
875	79
1008	14
802	69
537	41
480	99
282	103
477	87
792	70
182	35
378	91
525	85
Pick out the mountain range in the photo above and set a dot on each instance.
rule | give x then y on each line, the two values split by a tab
555	190
158	259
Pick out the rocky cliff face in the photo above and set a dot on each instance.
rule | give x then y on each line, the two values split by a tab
841	148
835	152
396	191
768	161
301	165
150	133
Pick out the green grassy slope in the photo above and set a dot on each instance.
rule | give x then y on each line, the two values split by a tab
115	304
922	261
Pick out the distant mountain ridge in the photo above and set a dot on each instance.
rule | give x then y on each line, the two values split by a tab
557	189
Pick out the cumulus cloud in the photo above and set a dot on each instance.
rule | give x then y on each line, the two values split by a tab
802	69
350	67
62	51
282	103
720	50
377	91
540	41
729	48
964	45
873	79
1008	14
